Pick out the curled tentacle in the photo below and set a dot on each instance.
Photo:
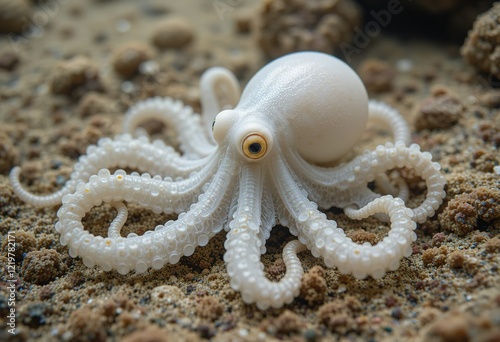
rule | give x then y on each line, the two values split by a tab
243	250
187	124
324	238
401	189
380	112
327	182
124	152
166	244
121	217
39	201
219	90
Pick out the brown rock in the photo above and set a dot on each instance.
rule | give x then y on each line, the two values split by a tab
9	61
209	308
173	33
482	46
95	103
493	245
86	324
313	286
361	236
75	77
484	160
128	57
435	256
456	259
463	327
14	15
287	323
243	20
465	212
41	267
442	110
339	315
377	75
451	328
293	25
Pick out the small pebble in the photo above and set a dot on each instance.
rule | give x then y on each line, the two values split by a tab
377	75
75	77
397	313
9	61
42	267
11	15
172	33
209	308
128	57
442	110
243	20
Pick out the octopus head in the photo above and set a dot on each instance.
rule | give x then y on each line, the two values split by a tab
309	101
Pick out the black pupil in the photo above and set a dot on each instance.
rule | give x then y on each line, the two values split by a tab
254	148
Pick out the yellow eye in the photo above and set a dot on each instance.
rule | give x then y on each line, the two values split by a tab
254	146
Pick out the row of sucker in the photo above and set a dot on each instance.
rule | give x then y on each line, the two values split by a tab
204	218
124	152
364	168
187	124
325	239
242	256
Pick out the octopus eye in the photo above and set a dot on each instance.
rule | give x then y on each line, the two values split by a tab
254	146
213	124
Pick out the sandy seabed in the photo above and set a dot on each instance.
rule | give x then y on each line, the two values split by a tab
447	290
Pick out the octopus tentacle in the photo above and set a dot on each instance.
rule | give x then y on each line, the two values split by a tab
123	151
243	250
268	215
219	90
38	201
363	195
400	189
364	168
192	139
390	156
324	238
167	195
119	221
166	244
380	112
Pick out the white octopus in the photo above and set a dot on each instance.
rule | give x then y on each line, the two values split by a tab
247	164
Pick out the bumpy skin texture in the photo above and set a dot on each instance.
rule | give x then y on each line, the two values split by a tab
482	46
259	167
